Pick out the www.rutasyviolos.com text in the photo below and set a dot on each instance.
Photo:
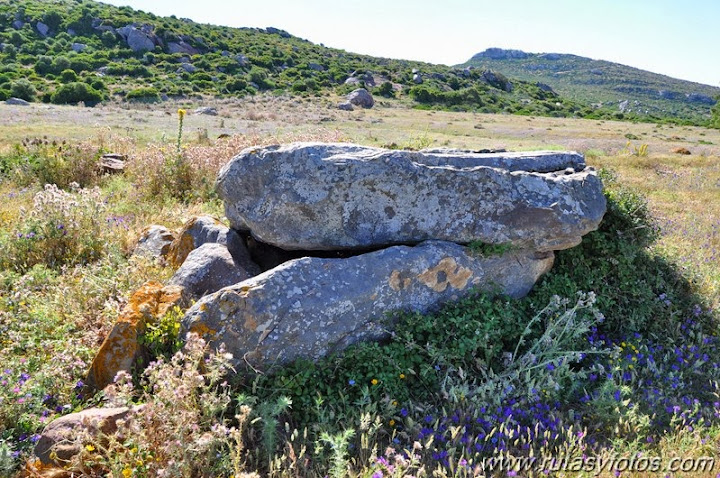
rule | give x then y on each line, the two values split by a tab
598	465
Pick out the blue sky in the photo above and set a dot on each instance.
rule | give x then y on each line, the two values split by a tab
672	37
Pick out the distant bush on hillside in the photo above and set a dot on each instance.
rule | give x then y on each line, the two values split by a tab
76	92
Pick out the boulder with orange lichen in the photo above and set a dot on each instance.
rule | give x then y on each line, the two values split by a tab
311	307
202	230
122	349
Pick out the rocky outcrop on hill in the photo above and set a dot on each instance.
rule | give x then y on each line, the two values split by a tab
500	54
314	196
138	39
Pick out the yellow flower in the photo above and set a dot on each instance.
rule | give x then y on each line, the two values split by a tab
392	423
181	113
127	472
133	450
395	403
89	448
402	376
374	381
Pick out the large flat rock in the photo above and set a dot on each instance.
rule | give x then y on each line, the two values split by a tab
318	196
310	307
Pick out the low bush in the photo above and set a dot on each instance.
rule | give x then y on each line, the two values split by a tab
76	92
63	228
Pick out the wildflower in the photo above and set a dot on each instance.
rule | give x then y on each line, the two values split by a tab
89	448
377	474
351	382
374	381
402	376
391	422
181	113
127	471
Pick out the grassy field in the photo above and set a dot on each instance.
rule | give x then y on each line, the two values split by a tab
61	288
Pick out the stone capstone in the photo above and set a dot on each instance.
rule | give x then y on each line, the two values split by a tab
318	196
312	307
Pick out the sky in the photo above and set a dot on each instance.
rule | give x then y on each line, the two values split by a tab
672	37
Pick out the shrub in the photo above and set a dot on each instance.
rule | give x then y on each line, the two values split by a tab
181	430
386	90
23	89
76	92
149	95
236	84
62	228
49	162
68	76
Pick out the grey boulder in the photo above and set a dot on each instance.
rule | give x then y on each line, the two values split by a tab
137	39
345	106
311	307
42	29
17	102
361	97
318	196
154	242
202	230
63	437
209	268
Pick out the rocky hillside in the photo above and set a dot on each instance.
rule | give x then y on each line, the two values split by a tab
603	84
71	51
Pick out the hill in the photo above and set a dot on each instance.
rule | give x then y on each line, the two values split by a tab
71	51
606	85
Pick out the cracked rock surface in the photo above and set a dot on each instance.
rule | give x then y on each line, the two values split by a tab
311	307
338	196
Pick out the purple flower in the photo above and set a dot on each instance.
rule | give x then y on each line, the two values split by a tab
377	474
351	382
618	395
79	384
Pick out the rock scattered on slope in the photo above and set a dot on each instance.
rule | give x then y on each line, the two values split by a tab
361	97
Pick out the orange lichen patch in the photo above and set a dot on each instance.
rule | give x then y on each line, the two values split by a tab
183	245
397	283
121	348
202	330
447	272
250	323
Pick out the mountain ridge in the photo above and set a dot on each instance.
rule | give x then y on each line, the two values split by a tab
603	83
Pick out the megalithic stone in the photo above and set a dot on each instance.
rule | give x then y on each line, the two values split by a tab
317	196
310	307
